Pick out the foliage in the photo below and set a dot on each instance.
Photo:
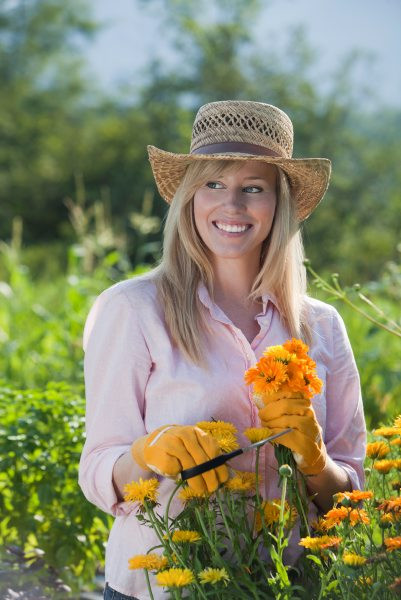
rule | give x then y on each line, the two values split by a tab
58	129
371	312
46	518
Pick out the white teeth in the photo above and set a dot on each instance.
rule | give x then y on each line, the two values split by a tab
232	228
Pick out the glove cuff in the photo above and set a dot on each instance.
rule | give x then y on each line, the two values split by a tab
137	449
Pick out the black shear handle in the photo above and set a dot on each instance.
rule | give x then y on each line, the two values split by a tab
209	464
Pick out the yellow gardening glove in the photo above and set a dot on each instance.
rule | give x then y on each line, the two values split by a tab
170	449
293	410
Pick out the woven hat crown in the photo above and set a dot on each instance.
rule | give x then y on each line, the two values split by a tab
243	121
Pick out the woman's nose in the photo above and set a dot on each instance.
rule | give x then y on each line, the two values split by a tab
234	199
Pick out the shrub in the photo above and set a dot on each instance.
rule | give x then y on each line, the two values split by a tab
47	519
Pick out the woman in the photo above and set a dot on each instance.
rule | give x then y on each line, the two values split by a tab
168	349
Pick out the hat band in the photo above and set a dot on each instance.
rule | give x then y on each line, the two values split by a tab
241	147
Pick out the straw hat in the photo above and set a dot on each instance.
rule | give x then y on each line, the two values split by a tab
244	130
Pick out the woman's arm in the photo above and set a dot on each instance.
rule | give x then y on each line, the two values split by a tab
126	470
117	367
328	482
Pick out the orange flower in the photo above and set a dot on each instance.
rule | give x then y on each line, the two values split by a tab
302	378
355	496
335	516
391	504
396	585
393	543
297	347
384	466
396	442
267	376
377	450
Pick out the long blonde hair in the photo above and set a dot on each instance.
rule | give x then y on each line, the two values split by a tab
185	263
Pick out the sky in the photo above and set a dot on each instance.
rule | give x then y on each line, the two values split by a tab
132	34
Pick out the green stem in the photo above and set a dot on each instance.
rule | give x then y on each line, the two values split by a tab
257	492
281	523
228	529
341	295
148	584
170	540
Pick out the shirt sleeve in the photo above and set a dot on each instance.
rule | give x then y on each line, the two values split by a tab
117	365
345	422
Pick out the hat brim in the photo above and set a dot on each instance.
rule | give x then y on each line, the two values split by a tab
308	177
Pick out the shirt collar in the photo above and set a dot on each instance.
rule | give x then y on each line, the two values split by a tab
217	313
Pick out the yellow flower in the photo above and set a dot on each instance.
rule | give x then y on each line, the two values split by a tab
213	576
139	491
397	464
387	518
365	580
257	434
377	450
150	562
387	431
182	536
271	514
280	354
397	421
242	482
353	560
210	426
224	434
175	577
384	466
396	442
393	544
319	526
186	494
319	543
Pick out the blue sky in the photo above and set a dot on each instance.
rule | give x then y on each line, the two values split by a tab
133	33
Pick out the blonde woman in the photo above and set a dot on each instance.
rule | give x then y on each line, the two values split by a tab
170	348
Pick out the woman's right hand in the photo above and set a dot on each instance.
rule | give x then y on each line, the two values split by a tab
170	449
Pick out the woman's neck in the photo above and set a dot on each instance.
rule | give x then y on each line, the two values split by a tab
233	281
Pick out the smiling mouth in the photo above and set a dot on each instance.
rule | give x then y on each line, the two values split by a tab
235	228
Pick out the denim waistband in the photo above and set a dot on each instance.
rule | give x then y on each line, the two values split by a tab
111	594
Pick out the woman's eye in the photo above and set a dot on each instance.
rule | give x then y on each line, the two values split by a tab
214	185
253	189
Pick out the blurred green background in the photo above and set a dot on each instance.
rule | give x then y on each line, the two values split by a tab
79	209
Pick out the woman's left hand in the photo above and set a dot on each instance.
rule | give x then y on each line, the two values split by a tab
305	439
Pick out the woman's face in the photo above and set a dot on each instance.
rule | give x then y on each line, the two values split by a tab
234	213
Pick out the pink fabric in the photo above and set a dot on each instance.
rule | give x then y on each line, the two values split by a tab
136	381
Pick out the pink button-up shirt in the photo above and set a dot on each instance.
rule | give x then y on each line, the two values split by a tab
137	380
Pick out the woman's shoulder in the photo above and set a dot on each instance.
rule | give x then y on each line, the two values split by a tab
321	315
138	291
